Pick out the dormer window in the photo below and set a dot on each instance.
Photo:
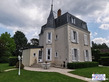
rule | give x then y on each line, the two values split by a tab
73	20
83	25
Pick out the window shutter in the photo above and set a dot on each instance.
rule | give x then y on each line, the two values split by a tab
71	35
51	37
50	54
78	55
73	57
85	39
77	37
85	55
90	57
46	54
47	37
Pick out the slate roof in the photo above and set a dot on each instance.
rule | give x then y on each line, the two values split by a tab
63	19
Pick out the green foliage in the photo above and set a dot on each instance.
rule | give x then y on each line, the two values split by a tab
105	61
13	61
21	65
99	46
35	41
77	65
7	46
96	55
20	41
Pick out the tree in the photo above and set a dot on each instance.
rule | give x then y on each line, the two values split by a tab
2	48
8	45
35	41
20	40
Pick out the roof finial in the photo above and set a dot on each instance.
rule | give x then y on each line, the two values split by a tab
52	5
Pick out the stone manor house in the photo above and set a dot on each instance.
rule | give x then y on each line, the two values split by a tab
61	40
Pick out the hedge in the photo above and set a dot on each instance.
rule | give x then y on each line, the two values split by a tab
13	61
76	65
105	61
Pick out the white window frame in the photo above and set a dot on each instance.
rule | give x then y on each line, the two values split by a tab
47	54
49	41
72	36
77	55
85	39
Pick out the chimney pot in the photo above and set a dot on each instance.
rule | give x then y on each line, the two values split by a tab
59	13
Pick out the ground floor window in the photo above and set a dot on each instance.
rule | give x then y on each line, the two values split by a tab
48	54
40	56
75	54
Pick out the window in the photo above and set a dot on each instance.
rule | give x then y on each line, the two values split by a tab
56	37
86	53
73	20
56	55
40	56
74	36
48	54
84	25
49	38
75	55
34	54
85	39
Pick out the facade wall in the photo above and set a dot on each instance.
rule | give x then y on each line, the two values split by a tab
34	53
61	45
80	45
26	57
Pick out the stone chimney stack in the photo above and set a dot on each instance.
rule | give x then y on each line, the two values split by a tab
59	13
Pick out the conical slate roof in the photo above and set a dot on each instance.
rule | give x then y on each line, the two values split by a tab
50	20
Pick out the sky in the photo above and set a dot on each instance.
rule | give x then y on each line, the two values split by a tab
29	15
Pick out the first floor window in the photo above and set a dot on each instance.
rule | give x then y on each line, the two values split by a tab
40	54
48	54
49	37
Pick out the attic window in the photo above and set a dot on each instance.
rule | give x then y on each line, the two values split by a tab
83	25
73	20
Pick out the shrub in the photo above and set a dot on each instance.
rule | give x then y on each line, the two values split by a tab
4	59
77	65
13	61
105	61
21	65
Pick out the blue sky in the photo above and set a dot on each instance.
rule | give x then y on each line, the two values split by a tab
29	15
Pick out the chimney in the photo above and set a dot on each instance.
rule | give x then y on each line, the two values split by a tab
59	13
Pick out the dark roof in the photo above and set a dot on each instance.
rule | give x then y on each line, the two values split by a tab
32	47
64	19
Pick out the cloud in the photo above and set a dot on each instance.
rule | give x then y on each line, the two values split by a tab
29	15
104	26
101	40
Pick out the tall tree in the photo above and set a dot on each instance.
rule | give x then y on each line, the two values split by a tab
34	41
7	43
20	40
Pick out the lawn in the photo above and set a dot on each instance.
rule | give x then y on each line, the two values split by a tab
32	76
87	72
5	66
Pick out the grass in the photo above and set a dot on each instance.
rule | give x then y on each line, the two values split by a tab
87	72
5	66
32	76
